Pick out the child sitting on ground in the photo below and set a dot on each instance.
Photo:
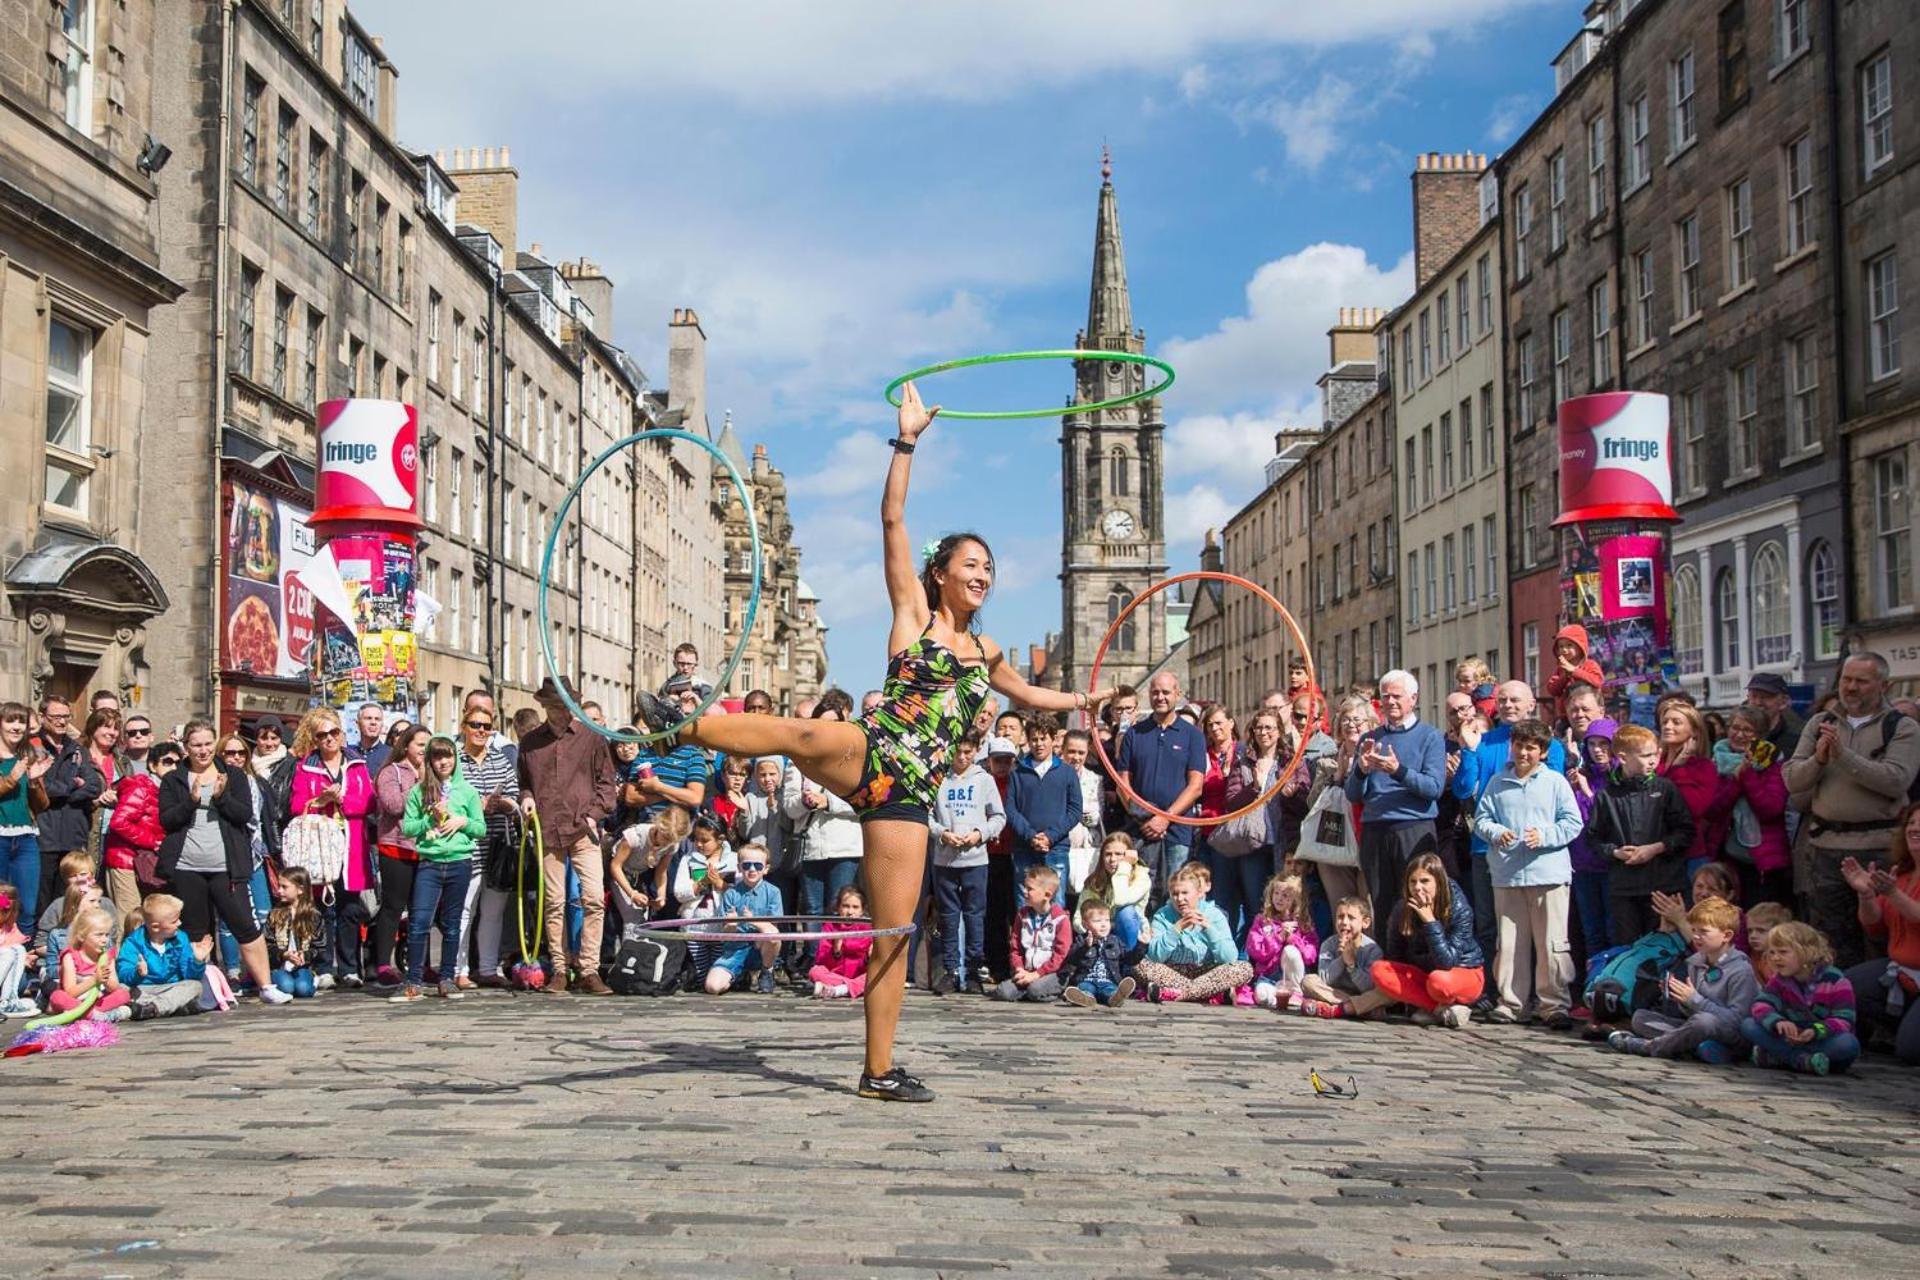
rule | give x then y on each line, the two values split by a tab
1281	944
1762	919
1099	969
1344	985
1190	950
1120	881
292	927
56	924
1702	1012
85	966
840	964
158	962
753	895
1042	935
1803	1019
13	958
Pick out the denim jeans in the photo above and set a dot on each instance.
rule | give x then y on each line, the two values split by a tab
822	880
962	896
439	895
1024	859
1841	1049
20	866
1590	905
1099	988
1238	883
262	904
1161	858
297	983
576	911
1486	920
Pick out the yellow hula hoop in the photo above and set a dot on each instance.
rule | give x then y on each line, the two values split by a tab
530	826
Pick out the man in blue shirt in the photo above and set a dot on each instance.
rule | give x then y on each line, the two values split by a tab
1043	804
1163	760
1396	778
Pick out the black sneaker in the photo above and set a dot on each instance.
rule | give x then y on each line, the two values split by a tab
656	712
946	984
895	1086
1558	1020
764	984
144	1009
982	981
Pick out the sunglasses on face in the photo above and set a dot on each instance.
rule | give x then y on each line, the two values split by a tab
325	734
235	751
479	724
139	731
753	866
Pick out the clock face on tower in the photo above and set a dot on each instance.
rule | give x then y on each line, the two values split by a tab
1117	524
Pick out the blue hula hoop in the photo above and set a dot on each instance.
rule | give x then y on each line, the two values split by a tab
546	581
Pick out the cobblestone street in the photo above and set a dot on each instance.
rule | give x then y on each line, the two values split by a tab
533	1135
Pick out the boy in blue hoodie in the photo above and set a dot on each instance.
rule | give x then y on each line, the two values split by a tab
1043	804
1527	817
1191	954
157	961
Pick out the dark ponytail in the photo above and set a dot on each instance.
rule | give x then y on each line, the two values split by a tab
940	555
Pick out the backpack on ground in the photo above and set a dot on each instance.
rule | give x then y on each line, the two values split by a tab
1632	978
648	966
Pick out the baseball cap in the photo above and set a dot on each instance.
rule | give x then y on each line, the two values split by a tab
1000	747
1768	682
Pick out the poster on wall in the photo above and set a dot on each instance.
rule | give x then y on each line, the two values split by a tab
368	651
269	629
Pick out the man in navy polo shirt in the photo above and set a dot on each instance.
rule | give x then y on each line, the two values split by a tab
1163	759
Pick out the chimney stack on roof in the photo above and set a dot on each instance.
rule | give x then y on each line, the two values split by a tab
1446	208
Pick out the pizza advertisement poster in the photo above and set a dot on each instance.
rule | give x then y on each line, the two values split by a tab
269	604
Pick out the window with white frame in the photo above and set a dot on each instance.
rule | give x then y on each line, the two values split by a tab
1490	547
1876	113
1526	406
1529	515
457	377
1797	223
1726	619
1642	298
1470	567
1682	126
1688	652
1433	598
1686	254
76	62
1892	532
283	159
1772	616
478	612
540	425
1530	654
1450	583
1426	464
1522	230
1690	425
433	336
506	520
1444	318
1600	325
1789	29
1803	382
1556	201
1883	316
1596	166
1562	356
246	311
1743	406
1489	429
456	605
1426	344
1823	583
282	341
312	340
1638	128
1406	361
1413	491
1461	312
477	512
69	432
478	367
1739	234
1446	452
1466	439
1483	288
251	98
1413	587
313	215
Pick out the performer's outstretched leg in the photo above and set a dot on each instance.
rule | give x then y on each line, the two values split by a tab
831	752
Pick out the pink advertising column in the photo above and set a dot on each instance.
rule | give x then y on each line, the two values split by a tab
1616	508
366	517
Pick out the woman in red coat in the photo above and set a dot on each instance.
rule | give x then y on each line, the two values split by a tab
133	829
1686	760
1756	843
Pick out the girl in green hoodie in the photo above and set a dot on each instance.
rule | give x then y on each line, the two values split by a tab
445	820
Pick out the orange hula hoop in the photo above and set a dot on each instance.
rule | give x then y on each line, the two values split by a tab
1093	684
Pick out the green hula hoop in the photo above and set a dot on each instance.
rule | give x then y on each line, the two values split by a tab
546	581
981	415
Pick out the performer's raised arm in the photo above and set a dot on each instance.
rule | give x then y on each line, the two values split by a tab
903	573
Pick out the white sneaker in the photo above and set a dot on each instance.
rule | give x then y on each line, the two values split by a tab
323	983
1455	1016
271	994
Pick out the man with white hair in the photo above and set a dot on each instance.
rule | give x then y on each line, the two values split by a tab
1483	756
1849	778
1397	776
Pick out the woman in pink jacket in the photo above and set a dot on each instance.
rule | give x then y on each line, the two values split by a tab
1756	843
330	782
1686	760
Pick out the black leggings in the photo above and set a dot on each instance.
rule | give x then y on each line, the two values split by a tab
204	895
396	892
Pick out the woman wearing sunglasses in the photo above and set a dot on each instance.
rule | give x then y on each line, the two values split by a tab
331	782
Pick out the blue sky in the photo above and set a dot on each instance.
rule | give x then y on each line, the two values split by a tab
845	191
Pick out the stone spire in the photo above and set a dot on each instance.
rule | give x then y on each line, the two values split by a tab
1109	308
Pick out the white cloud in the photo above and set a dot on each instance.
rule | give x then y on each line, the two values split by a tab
1314	126
1194	81
1509	116
1216	444
773	51
1190	513
1270	356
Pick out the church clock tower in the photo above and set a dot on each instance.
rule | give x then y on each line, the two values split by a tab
1113	537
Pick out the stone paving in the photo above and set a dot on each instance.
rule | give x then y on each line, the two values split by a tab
556	1136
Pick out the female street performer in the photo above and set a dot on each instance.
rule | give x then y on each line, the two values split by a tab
887	763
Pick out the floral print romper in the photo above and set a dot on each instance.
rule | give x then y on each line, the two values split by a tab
931	697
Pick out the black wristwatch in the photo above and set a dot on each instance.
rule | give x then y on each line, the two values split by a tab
901	446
